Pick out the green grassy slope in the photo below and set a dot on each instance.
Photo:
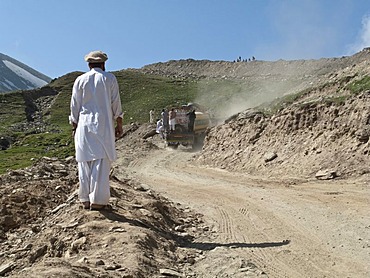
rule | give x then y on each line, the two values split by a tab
139	94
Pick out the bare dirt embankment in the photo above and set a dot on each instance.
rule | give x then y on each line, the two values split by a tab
46	233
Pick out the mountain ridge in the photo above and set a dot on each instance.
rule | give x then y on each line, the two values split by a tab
15	75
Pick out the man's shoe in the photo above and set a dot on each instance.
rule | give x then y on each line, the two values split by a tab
85	205
101	207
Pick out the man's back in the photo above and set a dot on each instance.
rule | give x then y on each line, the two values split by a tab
96	87
95	101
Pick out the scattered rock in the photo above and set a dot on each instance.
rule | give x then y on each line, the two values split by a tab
38	253
83	260
6	268
269	156
142	187
58	208
363	134
77	244
326	174
99	262
112	267
4	143
170	272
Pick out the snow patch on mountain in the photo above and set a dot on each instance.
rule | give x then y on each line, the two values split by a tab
37	82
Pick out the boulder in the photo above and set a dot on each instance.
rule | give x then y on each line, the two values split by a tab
270	156
326	174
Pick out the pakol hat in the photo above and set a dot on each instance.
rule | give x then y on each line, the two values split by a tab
96	57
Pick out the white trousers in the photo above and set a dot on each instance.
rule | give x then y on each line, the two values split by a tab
172	124
94	181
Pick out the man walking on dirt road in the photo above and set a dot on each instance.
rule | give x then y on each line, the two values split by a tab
95	106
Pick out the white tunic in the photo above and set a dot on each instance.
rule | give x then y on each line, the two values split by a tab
95	104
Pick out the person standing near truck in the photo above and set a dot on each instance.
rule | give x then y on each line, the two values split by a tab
164	115
192	117
151	116
160	128
172	117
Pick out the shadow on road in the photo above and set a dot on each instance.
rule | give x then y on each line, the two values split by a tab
210	245
187	242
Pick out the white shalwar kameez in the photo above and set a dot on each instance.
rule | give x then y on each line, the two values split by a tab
95	104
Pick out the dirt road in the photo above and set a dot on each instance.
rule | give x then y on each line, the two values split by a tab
266	228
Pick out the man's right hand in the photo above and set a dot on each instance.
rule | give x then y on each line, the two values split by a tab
118	131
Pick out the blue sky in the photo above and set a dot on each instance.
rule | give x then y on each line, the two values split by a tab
53	36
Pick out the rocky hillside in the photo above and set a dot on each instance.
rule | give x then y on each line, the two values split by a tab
322	132
242	85
15	75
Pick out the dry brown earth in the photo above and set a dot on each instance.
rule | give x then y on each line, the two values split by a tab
250	204
264	227
172	216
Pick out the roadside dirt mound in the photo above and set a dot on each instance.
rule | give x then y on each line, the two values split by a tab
46	233
28	194
273	76
298	141
255	69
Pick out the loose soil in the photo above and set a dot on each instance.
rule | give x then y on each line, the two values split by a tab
174	217
262	227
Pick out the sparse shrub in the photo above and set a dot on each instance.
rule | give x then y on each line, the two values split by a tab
337	100
280	103
359	86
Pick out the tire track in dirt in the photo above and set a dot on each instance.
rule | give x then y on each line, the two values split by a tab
240	235
226	226
252	217
225	222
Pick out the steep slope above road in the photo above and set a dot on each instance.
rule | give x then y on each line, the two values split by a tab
323	128
300	140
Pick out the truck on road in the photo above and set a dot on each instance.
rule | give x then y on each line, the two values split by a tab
182	135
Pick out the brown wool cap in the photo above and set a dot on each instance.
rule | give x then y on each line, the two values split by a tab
96	57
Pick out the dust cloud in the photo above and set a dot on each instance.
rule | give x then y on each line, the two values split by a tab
363	39
225	98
